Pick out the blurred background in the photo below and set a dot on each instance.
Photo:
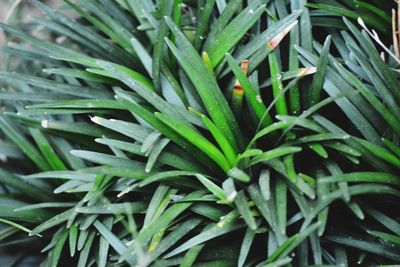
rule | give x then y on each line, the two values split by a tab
16	11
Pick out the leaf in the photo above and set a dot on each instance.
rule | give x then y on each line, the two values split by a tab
25	187
274	153
101	158
212	187
353	191
378	106
56	252
103	243
223	143
115	242
56	220
167	157
196	139
206	87
232	33
319	77
191	256
73	236
347	13
298	239
16	225
385	236
167	217
277	85
203	24
68	175
242	206
245	247
281	205
117	208
52	158
374	248
363	177
46	205
58	87
227	224
239	175
132	130
254	99
229	10
143	55
175	236
81	74
380	152
388	222
264	183
26	147
161	127
142	87
83	257
155	153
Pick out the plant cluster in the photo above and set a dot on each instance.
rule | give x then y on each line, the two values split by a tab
202	133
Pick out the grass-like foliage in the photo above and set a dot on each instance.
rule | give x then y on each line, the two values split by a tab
201	133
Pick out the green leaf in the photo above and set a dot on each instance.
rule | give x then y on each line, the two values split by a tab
155	153
232	33
103	243
52	158
388	222
275	153
212	187
167	217
167	156
73	238
176	235
385	236
245	247
330	9
56	252
117	208
223	143
380	152
277	85
56	220
191	256
363	177
242	206
58	87
372	99
197	140
203	24
206	86
28	189
26	147
239	175
17	226
254	99
115	242
374	248
319	77
227	224
83	257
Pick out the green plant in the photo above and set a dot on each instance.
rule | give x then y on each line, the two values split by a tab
199	133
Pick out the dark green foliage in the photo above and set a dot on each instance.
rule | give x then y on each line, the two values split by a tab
200	133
